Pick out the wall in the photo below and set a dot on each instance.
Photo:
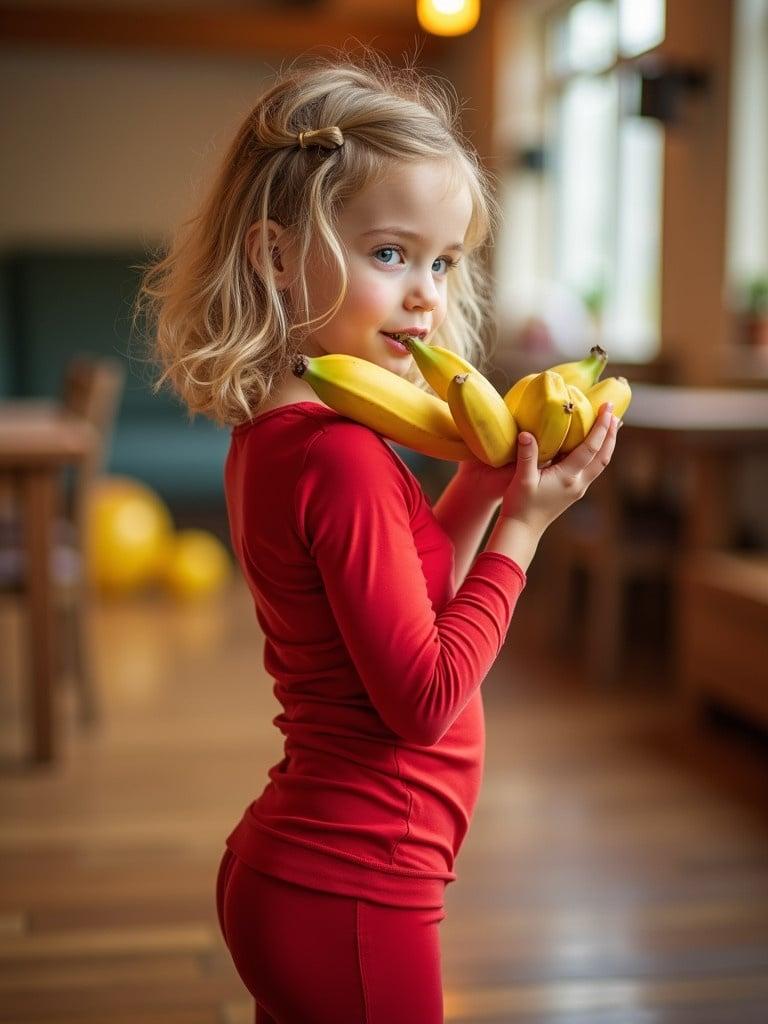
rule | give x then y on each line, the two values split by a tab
110	148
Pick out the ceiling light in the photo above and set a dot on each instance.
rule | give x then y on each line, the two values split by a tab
448	17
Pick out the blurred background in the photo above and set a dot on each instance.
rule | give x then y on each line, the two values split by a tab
617	868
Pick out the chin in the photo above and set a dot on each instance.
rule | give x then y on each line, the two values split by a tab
398	366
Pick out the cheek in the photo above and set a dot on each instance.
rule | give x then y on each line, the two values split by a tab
323	291
370	292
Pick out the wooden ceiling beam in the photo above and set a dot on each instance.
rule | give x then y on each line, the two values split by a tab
287	31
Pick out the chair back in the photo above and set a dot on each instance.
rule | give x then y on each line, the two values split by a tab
92	388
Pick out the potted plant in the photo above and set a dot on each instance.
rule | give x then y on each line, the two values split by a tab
755	313
594	300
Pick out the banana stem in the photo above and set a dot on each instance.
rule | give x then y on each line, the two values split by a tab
300	365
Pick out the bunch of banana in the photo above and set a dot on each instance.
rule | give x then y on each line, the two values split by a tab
385	402
470	418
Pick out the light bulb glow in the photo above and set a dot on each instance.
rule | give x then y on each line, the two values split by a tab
448	17
448	6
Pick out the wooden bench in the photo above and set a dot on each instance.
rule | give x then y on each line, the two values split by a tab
723	631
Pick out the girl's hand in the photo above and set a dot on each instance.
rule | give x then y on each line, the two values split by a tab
537	496
488	482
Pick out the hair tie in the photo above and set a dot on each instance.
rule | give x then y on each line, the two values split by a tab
332	143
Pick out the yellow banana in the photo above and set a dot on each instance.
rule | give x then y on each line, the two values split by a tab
485	423
585	372
438	365
512	397
582	420
385	402
545	410
611	389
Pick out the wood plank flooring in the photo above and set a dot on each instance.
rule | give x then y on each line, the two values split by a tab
616	871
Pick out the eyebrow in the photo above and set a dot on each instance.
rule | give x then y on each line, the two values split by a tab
408	234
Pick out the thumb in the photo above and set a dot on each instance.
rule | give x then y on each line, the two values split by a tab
527	456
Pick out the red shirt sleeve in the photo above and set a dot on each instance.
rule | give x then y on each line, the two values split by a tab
420	667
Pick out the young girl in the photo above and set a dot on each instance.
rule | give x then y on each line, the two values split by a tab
348	208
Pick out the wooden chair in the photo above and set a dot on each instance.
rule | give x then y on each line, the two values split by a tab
723	637
612	537
92	388
626	528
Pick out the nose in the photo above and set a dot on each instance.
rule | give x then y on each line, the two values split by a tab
422	291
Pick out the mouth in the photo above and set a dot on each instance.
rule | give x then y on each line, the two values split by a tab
398	342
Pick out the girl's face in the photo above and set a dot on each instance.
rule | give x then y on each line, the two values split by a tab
397	281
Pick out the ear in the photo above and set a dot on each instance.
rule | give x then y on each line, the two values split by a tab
275	249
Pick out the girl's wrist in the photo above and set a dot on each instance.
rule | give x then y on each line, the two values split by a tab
515	539
480	482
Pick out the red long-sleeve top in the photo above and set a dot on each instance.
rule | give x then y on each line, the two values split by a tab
377	661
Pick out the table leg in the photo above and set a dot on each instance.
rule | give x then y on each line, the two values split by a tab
710	519
38	496
608	579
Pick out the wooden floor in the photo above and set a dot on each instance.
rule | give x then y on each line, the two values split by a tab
616	871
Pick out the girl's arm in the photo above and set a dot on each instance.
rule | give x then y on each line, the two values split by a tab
352	512
464	510
466	507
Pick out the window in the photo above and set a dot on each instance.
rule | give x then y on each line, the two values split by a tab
748	157
607	165
598	204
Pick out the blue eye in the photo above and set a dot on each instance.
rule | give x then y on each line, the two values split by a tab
450	263
388	248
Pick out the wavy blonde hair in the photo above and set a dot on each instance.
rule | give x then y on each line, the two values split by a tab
223	335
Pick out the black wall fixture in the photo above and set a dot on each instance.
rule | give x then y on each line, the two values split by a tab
529	158
664	88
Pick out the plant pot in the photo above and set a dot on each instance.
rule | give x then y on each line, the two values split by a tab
755	330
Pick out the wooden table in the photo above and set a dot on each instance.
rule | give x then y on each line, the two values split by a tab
708	430
38	438
699	434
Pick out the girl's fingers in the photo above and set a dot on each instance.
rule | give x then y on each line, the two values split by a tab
580	458
527	458
603	457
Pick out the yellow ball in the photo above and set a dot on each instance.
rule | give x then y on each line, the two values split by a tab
197	564
127	531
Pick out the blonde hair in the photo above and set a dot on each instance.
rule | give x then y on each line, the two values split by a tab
222	334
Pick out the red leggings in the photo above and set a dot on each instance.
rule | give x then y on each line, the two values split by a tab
313	957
